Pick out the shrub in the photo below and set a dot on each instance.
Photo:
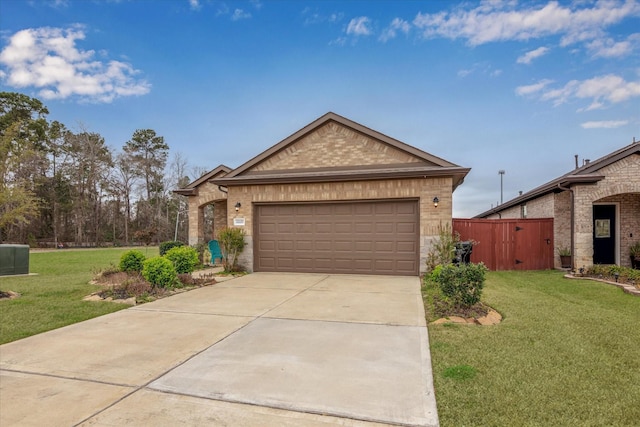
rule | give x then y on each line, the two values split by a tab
606	271
168	245
435	274
132	261
232	243
462	283
184	258
160	272
443	248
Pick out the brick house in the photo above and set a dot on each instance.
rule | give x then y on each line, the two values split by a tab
335	197
595	208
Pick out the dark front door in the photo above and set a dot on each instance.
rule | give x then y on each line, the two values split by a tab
604	234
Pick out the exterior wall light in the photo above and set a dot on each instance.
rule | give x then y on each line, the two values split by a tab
238	206
435	201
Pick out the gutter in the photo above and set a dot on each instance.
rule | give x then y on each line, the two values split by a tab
573	253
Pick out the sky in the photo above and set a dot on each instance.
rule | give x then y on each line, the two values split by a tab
490	85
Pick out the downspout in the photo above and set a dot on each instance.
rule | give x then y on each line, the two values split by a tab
573	253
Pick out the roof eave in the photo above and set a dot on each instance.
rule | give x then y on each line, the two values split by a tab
458	173
186	191
550	187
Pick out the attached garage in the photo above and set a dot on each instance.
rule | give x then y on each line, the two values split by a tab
334	197
364	237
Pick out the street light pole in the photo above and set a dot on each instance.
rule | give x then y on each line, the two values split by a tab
501	173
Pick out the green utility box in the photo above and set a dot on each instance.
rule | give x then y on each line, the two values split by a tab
14	259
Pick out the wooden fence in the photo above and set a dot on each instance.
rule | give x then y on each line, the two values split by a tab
509	244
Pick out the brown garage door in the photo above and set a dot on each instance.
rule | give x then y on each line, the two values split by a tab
354	237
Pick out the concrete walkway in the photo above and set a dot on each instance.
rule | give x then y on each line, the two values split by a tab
267	349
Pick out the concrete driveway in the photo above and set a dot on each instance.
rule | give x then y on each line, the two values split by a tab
267	349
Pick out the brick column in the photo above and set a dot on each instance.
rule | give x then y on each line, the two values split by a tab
196	222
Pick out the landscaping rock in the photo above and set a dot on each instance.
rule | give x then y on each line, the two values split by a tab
492	318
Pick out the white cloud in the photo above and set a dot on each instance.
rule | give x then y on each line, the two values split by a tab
482	68
608	48
528	57
194	4
48	59
359	26
396	25
605	124
314	17
534	88
601	91
494	21
239	14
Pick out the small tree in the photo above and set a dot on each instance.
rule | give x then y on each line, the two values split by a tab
443	248
232	244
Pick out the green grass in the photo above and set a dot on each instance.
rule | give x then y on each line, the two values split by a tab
566	354
53	298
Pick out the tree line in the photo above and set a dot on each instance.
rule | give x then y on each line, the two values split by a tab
59	187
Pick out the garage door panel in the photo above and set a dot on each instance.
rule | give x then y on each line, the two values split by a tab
343	246
365	228
379	237
285	228
286	245
323	227
382	246
406	247
385	209
343	209
343	227
267	227
406	265
385	227
406	227
304	227
363	264
364	246
304	245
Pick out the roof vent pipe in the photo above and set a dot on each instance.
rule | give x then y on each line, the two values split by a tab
576	161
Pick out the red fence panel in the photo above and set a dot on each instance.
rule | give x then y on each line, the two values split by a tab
509	244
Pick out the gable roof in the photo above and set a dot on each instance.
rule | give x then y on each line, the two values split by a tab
425	165
586	174
191	188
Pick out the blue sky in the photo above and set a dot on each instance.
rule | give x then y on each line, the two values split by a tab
490	85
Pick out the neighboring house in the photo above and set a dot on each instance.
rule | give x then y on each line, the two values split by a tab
335	197
595	208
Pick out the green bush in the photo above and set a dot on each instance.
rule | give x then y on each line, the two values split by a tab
132	261
462	283
168	245
160	272
435	274
232	243
184	258
607	271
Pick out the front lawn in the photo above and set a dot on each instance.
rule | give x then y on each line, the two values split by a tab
566	354
53	298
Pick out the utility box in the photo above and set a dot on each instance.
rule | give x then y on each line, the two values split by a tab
14	259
